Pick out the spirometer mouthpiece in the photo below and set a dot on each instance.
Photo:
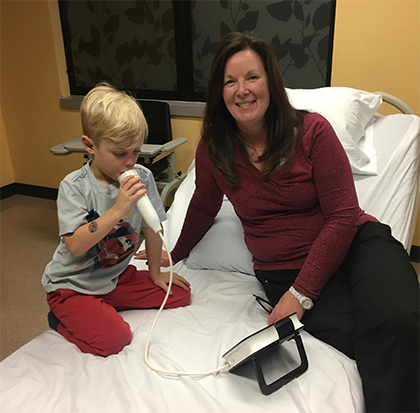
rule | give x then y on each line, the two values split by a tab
144	205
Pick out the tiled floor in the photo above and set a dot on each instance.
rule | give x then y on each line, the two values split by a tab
29	236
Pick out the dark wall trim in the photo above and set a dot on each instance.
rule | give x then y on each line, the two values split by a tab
28	190
415	253
176	107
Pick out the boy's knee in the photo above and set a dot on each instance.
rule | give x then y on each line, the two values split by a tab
179	297
116	341
186	298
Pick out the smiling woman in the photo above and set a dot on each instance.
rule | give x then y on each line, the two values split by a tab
245	70
315	252
246	93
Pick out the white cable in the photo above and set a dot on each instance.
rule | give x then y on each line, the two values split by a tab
146	350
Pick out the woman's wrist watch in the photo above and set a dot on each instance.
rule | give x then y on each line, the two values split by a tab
305	302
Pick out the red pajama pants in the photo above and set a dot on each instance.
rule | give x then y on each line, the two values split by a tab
92	323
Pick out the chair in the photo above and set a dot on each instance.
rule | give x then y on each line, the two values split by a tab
156	154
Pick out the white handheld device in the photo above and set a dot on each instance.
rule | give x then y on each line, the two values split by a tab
144	205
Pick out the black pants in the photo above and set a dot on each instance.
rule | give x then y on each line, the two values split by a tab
369	310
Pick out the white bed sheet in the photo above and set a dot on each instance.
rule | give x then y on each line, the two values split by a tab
50	374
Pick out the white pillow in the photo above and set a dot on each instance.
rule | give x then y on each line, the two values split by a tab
176	213
349	111
222	247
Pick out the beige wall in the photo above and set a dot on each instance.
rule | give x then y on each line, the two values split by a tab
30	93
6	177
376	48
188	128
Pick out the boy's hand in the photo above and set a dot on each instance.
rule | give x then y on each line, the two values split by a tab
162	281
164	261
89	234
131	190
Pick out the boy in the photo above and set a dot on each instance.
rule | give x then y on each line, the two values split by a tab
89	279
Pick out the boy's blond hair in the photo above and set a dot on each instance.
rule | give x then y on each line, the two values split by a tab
113	114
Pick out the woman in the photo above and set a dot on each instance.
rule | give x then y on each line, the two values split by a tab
314	250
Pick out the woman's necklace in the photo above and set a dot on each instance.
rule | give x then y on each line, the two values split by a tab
254	154
255	146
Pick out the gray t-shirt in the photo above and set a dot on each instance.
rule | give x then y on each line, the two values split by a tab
81	199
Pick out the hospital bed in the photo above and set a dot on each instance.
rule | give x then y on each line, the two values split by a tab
49	374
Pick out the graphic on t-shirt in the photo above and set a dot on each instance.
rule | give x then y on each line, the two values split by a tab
117	245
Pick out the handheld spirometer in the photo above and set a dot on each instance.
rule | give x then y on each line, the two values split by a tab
144	205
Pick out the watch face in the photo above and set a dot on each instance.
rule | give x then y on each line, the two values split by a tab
307	303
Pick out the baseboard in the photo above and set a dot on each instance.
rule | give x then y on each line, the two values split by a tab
415	253
28	190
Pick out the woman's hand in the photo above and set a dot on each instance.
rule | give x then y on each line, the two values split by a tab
287	305
162	281
164	261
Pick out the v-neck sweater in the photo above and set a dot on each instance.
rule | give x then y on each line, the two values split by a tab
305	218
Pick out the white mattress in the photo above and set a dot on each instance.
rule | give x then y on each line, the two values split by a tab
50	374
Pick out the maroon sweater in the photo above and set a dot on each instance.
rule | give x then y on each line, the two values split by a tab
303	219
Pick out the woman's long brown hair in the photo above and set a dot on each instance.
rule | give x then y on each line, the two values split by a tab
219	131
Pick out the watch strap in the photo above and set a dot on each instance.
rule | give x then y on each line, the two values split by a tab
305	302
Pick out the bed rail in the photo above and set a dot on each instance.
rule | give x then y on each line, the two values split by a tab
396	102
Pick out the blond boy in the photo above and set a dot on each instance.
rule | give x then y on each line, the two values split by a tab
89	278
